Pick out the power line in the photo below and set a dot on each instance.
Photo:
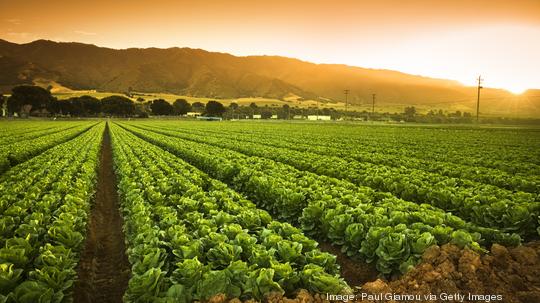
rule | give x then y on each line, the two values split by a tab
478	97
373	104
461	101
511	97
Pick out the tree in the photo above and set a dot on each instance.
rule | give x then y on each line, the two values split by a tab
214	108
254	108
266	114
161	107
30	97
142	109
233	106
63	107
118	106
326	111
198	106
410	111
91	105
285	112
3	105
84	106
181	107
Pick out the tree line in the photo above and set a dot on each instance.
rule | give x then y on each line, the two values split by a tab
27	100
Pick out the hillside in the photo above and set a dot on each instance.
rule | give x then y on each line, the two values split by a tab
199	73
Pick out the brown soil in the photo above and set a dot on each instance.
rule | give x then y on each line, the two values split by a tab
104	270
354	272
511	273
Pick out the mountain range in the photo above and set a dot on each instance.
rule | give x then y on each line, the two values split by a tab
199	73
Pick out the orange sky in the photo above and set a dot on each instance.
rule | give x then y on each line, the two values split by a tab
454	39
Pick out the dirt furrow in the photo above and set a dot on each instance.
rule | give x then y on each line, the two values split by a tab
104	270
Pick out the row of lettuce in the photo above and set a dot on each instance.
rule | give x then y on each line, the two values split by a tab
371	225
482	204
18	145
392	156
511	150
191	237
43	213
19	128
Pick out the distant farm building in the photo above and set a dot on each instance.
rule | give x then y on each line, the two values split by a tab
193	114
256	116
318	117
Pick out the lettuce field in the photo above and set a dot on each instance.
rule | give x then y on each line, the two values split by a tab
182	211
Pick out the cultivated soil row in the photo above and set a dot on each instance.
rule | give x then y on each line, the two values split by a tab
103	272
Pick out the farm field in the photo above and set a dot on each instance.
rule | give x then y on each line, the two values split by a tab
182	211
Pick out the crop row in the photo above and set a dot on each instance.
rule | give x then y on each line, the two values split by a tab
20	151
11	136
481	204
16	128
190	237
45	204
512	151
374	226
358	152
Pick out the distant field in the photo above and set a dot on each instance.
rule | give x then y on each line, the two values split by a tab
515	107
509	108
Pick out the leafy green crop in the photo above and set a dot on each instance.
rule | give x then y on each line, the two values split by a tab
43	226
373	225
191	237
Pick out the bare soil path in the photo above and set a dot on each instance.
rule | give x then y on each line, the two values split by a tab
104	270
355	272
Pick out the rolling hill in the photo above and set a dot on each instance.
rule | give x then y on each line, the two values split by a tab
199	73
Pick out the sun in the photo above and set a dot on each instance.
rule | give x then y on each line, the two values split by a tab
515	87
516	90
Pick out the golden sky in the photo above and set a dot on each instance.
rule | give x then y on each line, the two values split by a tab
452	39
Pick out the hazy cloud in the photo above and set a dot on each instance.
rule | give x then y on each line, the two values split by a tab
21	37
13	21
84	33
20	34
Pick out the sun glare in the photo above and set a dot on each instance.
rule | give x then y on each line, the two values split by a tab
516	90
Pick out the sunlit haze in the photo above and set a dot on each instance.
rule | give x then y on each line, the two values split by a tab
453	39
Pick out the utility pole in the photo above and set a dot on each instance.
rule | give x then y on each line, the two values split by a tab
478	97
317	110
373	104
346	92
